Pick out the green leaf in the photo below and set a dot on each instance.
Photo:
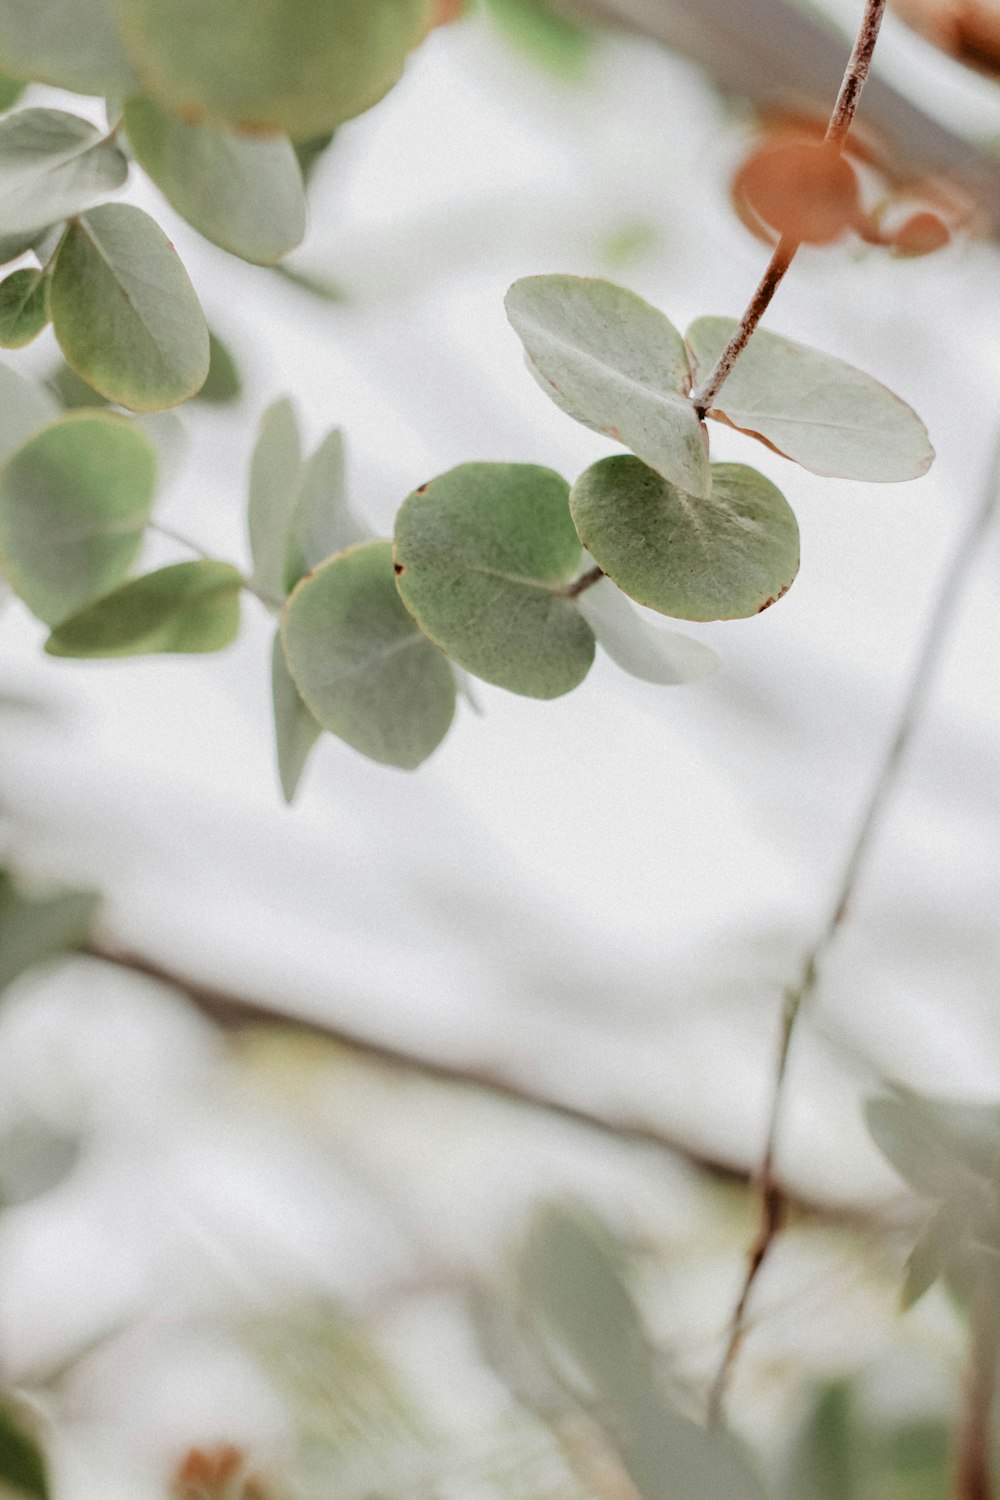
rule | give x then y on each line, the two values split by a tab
223	383
617	365
361	665
243	193
24	307
25	406
484	558
322	522
74	502
295	729
561	46
309	152
73	44
812	408
71	391
52	165
11	90
298	66
637	646
930	1256
32	931
13	245
125	314
825	1462
720	558
22	1466
275	475
189	607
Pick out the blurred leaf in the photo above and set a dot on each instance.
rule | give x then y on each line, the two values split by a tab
13	245
189	607
73	391
636	645
33	930
484	555
724	557
125	314
243	193
825	1463
363	668
34	1159
22	1466
296	731
309	152
24	307
73	44
812	408
316	286
322	522
931	1255
562	46
804	189
11	90
299	66
223	383
52	165
616	364
74	502
275	475
25	406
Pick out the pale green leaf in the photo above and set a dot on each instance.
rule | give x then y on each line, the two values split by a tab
25	406
244	193
275	476
74	502
826	415
298	66
125	314
14	245
52	165
939	1243
11	90
360	663
73	44
322	522
825	1461
484	558
295	729
223	383
22	1464
33	930
616	364
562	46
723	557
24	307
638	646
188	607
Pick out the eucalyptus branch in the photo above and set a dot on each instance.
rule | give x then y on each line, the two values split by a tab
772	1196
973	1473
268	600
840	123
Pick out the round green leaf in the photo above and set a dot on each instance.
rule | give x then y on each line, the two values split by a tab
639	647
74	502
73	44
53	164
360	664
125	314
616	364
720	558
484	556
25	406
244	193
275	476
223	382
189	607
295	729
24	307
298	66
822	413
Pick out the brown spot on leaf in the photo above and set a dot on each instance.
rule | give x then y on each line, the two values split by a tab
773	599
398	568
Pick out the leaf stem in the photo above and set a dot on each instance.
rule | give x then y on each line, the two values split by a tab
973	1475
585	581
798	993
784	253
185	541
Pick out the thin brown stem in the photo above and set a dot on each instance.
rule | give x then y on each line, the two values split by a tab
936	632
585	581
974	1469
784	253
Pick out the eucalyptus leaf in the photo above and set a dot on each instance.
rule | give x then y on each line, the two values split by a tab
73	44
321	522
223	383
14	245
275	476
560	45
74	502
813	408
71	391
33	930
295	729
360	663
616	364
298	66
25	406
827	1461
125	314
11	90
24	307
638	646
935	1249
52	165
721	558
485	555
243	193
22	1464
188	607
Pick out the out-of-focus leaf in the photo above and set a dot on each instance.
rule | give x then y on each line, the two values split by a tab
360	663
33	930
295	729
616	364
560	45
24	307
189	607
311	151
11	90
484	557
824	414
126	316
72	390
243	193
723	557
34	1159
322	522
73	44
52	165
25	407
223	382
825	1463
931	1255
275	476
638	646
74	502
804	189
22	1466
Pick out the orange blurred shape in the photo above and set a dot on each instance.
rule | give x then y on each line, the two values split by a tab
206	1471
445	11
968	30
800	188
920	234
